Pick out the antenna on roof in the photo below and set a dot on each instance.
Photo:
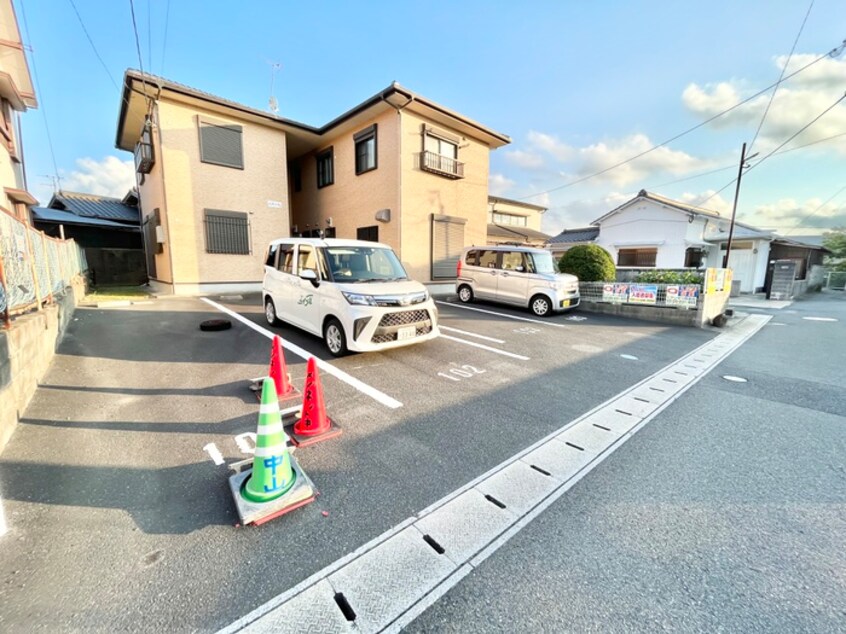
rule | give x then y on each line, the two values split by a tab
272	103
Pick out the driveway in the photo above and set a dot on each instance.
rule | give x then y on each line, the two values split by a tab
120	516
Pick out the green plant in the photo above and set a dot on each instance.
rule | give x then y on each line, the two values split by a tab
588	262
668	277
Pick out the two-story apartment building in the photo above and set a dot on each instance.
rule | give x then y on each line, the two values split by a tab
218	180
16	96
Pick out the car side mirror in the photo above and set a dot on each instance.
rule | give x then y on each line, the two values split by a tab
519	269
310	275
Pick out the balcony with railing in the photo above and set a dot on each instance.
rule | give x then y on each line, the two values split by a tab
442	165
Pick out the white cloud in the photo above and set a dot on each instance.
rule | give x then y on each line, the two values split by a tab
499	184
108	177
797	102
787	213
707	200
576	162
581	212
525	160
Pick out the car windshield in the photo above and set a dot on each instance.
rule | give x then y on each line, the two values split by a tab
544	263
364	264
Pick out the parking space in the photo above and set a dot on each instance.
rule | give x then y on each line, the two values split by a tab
132	435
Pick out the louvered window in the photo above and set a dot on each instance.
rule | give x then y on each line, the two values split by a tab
447	243
221	144
227	232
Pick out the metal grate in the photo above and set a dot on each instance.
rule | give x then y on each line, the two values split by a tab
227	232
680	295
403	318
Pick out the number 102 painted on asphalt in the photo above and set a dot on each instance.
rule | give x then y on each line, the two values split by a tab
462	372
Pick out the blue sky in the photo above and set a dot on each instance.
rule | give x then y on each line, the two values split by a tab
578	86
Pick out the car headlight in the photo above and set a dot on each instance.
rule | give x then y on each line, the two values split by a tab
357	299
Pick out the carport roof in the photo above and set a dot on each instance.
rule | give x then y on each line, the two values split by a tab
524	233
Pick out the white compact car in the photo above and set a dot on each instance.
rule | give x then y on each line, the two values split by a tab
353	293
516	275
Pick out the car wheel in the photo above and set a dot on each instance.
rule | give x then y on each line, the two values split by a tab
541	305
465	294
334	337
270	312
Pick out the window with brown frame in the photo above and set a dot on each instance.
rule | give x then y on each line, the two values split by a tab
637	257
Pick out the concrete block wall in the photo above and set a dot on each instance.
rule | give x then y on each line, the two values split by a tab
26	352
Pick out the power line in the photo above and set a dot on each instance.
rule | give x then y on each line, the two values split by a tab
793	136
41	96
688	131
137	41
728	167
91	42
813	212
164	42
149	40
784	68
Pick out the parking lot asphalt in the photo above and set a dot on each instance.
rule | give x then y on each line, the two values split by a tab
119	517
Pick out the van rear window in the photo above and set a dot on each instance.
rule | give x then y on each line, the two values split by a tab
487	259
470	258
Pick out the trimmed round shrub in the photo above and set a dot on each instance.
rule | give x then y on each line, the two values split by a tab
588	262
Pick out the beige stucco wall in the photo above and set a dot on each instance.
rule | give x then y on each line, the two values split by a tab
10	172
353	200
425	193
151	196
190	186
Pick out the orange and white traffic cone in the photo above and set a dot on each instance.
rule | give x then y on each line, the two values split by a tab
314	425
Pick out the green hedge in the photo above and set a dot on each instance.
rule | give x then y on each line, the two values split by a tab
588	262
669	277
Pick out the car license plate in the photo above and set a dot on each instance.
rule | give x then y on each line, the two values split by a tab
409	332
565	303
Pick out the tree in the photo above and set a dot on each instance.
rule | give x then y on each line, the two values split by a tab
835	241
588	262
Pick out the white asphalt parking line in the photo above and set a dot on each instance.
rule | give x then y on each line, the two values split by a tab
491	312
362	387
484	347
470	334
447	520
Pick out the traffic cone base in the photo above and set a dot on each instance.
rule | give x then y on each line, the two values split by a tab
304	441
256	513
286	400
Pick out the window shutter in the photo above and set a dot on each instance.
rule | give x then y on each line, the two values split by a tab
227	232
221	144
447	243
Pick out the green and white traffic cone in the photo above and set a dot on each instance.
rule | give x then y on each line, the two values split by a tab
272	474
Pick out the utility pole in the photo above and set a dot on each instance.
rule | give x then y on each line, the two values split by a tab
734	206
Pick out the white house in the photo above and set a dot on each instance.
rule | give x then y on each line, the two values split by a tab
750	252
650	231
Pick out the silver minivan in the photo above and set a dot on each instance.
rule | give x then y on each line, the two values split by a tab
518	275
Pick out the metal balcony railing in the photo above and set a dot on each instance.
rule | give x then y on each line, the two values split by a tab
443	165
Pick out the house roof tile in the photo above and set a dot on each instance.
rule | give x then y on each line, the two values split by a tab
93	206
